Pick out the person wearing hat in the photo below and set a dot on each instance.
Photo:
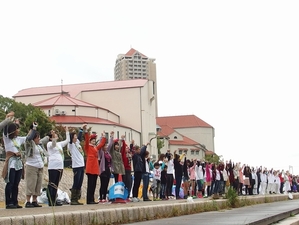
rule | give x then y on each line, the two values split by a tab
13	167
92	164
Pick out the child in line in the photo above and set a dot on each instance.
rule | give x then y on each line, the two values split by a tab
163	183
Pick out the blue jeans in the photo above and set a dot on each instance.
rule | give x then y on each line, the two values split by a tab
12	187
145	180
163	191
78	178
216	187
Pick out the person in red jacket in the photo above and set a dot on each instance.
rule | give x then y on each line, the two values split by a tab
127	160
92	165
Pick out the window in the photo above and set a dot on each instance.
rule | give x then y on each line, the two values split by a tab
180	152
175	137
192	152
197	152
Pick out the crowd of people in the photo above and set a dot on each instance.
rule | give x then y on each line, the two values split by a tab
174	175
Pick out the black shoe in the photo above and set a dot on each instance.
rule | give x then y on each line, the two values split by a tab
19	207
92	203
35	204
58	204
11	206
29	205
147	199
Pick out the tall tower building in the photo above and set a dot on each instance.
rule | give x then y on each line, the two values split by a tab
135	65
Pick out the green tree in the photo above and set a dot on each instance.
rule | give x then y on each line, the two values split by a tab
160	144
26	114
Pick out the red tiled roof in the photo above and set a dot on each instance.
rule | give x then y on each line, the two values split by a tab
132	51
185	141
74	89
63	100
182	121
165	131
82	119
210	153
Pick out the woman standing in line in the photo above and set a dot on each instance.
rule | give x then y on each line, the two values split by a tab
117	165
127	159
55	165
92	164
77	154
13	169
105	162
170	171
35	161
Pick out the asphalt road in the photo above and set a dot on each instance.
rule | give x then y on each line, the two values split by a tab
238	216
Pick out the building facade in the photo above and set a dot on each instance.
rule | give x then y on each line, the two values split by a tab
126	107
135	65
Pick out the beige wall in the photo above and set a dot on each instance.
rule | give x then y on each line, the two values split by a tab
135	106
202	135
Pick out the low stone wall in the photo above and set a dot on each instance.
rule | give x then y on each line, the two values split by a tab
125	214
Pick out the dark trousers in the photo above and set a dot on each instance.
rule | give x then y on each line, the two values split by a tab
12	187
128	181
178	180
105	178
136	185
54	178
91	187
78	178
169	184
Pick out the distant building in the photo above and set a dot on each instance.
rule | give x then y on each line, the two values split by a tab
187	134
135	65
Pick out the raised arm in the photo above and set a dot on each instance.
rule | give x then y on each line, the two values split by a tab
67	135
110	144
9	118
102	141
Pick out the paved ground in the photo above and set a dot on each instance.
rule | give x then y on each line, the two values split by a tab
255	214
244	215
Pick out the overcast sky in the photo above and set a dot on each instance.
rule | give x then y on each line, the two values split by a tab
234	64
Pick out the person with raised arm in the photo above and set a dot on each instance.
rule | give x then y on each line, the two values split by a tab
55	165
76	152
92	164
13	169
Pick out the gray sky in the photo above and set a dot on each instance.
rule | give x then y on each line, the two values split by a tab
231	63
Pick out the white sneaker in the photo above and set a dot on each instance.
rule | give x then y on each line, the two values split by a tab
135	199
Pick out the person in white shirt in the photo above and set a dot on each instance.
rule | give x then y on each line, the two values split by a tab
276	183
170	177
156	186
13	169
76	152
270	187
263	182
199	176
55	165
35	161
